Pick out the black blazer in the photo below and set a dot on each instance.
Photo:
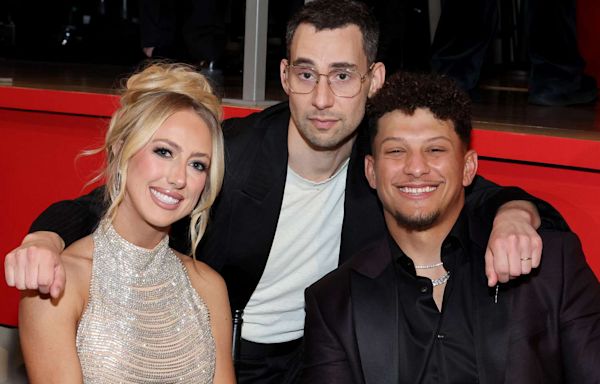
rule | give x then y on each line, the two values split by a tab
244	218
544	328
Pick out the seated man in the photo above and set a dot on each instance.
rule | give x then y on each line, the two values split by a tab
414	307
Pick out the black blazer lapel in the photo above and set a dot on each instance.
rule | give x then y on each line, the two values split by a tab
375	311
255	211
492	315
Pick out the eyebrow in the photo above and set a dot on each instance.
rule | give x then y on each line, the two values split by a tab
400	139
338	65
177	147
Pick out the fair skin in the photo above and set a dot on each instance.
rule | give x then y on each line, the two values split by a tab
322	129
321	132
420	168
164	182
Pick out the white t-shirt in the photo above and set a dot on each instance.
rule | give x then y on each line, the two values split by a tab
305	248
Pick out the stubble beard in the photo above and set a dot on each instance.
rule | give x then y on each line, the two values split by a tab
420	222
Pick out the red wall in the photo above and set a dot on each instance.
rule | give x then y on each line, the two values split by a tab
43	135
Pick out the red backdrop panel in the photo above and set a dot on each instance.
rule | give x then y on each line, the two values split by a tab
40	166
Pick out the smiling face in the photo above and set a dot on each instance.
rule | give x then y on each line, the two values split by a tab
166	177
419	169
323	120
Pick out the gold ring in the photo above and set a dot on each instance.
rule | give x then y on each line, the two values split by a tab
525	258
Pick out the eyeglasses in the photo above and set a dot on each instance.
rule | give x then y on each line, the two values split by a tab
343	82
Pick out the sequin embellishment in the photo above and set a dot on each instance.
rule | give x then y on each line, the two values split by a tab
144	322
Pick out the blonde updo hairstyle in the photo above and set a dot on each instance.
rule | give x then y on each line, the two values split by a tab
149	98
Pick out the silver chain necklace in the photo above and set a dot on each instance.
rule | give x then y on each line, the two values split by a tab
441	280
429	266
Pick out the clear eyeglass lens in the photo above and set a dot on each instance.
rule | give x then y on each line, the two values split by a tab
343	82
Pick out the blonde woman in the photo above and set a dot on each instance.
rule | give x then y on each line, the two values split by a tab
134	310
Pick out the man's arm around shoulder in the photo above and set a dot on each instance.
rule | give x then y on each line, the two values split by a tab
36	264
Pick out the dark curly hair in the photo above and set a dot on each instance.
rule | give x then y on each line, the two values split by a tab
333	14
406	92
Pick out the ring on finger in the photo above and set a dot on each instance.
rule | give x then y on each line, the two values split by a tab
525	258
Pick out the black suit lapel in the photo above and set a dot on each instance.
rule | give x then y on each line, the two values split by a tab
269	168
375	310
256	211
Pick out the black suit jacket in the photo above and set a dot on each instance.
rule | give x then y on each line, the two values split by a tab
243	221
245	217
544	328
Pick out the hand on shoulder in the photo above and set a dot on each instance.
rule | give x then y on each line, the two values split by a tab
76	268
36	264
514	246
48	325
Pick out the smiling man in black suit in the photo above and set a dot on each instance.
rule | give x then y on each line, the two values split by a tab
414	307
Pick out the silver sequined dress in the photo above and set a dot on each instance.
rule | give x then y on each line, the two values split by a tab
144	322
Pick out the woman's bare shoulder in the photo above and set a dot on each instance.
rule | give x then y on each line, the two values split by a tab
77	257
209	285
77	260
38	308
201	275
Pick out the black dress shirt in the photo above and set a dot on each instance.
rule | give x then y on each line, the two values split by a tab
437	346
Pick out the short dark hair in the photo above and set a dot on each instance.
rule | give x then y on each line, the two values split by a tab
333	14
407	92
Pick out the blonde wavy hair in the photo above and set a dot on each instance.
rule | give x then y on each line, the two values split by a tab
148	99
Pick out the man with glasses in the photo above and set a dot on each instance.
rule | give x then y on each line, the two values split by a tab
343	81
295	202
